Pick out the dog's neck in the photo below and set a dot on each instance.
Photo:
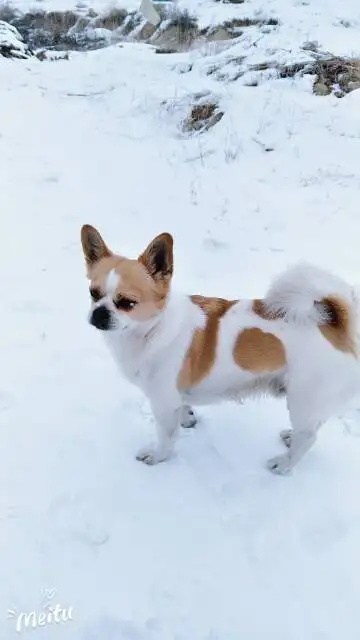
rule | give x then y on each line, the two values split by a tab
142	344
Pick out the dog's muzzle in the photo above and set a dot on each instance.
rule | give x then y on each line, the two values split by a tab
101	318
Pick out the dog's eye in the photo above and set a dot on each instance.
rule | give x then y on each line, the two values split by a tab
96	294
125	304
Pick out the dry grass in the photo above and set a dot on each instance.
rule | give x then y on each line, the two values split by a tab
339	74
41	29
234	28
202	117
112	20
67	29
185	23
250	22
333	74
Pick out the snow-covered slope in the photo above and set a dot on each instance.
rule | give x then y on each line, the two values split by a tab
210	545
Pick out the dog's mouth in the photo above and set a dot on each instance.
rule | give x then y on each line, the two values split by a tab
101	318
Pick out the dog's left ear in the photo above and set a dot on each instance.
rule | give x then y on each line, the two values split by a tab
93	245
158	257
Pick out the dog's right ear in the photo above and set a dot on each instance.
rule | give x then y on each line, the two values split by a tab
93	245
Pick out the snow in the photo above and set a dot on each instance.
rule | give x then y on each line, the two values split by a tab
210	545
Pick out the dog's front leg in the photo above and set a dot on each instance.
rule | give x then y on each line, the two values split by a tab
188	417
168	412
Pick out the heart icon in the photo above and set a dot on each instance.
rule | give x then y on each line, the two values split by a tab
50	593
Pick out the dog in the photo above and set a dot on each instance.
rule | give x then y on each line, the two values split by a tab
300	340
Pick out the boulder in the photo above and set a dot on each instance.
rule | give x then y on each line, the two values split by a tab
11	43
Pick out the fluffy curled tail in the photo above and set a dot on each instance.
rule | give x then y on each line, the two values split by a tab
305	294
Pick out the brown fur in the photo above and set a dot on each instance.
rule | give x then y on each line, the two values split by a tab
338	330
259	352
201	354
262	311
93	245
158	258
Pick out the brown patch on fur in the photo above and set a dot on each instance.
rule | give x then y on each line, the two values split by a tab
337	330
259	307
258	351
201	354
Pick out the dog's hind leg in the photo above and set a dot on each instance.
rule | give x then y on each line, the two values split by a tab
301	440
305	410
313	397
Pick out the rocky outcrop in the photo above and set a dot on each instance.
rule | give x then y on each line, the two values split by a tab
11	42
165	26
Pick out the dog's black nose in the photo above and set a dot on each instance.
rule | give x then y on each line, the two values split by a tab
101	318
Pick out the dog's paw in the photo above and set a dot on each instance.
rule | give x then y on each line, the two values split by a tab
150	456
286	437
188	418
281	465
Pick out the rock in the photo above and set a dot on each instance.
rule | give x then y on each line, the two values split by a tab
321	89
174	37
11	43
311	45
150	13
51	56
145	32
354	85
218	34
165	50
177	32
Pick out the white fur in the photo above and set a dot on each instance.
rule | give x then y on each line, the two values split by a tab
295	291
319	379
112	282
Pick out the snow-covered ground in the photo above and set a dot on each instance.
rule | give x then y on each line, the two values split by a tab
210	545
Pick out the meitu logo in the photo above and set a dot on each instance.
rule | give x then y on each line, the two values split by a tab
48	616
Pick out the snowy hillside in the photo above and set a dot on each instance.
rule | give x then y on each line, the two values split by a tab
210	545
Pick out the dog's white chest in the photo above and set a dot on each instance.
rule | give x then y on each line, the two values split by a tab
128	356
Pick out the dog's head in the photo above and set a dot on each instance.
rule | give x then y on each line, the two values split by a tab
125	291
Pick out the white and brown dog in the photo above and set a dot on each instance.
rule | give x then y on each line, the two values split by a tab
300	340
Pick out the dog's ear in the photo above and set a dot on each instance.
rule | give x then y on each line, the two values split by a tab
93	245
158	257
